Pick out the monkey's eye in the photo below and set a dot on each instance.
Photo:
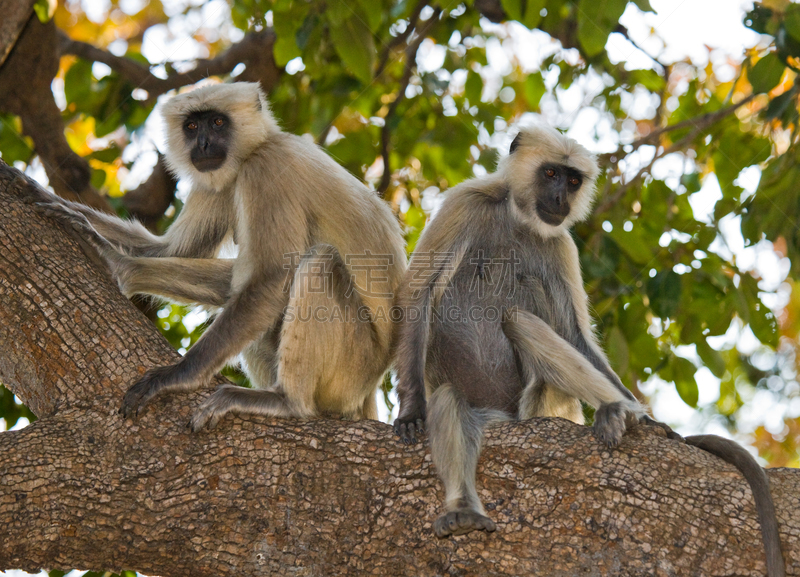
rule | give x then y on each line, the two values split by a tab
550	172
219	121
192	126
574	181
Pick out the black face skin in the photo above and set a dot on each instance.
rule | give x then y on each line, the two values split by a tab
209	132
557	185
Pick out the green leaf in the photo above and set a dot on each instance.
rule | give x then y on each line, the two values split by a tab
372	15
650	79
533	13
45	9
643	5
78	82
759	19
617	349
664	292
683	374
711	358
473	87
13	145
767	73
109	154
488	158
98	178
534	90
284	50
355	46
513	8
792	22
596	20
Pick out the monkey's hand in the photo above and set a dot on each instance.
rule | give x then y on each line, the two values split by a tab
145	389
611	421
410	422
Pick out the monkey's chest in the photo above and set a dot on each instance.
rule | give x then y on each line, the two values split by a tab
492	279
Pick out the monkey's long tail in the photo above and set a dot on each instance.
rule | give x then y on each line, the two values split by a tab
731	452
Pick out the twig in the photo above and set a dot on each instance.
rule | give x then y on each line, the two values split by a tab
411	53
701	122
400	38
244	51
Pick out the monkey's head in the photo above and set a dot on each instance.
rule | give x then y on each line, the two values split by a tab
211	130
551	178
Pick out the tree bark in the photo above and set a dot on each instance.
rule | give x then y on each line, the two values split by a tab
81	487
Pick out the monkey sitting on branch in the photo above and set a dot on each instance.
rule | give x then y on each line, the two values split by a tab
496	326
306	302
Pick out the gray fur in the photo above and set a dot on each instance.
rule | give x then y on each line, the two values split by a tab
298	219
537	355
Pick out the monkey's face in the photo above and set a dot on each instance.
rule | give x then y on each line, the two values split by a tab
556	186
208	133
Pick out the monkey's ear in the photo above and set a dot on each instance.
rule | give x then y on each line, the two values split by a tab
515	143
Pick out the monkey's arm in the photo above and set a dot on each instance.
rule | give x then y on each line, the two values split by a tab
247	314
586	342
272	231
412	343
433	263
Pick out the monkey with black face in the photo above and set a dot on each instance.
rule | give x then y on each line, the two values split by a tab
496	323
307	300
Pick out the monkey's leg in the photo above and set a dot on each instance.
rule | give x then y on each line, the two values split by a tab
246	316
545	354
328	361
187	280
455	431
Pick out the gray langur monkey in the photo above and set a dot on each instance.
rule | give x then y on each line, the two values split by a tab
307	300
495	326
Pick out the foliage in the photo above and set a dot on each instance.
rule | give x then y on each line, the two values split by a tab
410	82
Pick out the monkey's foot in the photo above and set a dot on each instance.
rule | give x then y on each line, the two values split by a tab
611	421
214	408
408	430
145	389
462	522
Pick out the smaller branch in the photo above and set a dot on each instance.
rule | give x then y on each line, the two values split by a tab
702	122
148	201
413	20
249	51
612	200
411	54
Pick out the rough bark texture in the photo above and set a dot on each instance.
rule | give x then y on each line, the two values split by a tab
83	488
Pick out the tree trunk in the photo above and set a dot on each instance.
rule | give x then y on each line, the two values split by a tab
82	487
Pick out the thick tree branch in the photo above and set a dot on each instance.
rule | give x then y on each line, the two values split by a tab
15	16
82	487
25	80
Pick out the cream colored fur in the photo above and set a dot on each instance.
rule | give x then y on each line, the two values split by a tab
252	123
539	145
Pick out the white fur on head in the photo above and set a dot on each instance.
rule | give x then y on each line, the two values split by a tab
542	144
251	123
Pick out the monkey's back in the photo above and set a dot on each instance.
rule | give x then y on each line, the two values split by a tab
504	265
